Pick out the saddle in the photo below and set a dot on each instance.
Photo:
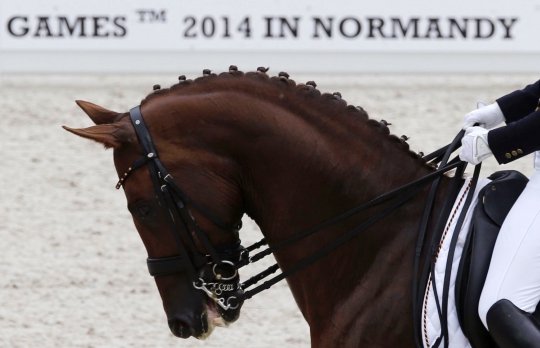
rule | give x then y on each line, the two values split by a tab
494	202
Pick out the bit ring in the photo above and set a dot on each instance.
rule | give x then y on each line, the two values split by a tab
229	263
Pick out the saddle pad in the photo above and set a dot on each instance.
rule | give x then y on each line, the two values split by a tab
431	326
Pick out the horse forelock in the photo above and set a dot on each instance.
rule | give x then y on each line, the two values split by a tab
295	96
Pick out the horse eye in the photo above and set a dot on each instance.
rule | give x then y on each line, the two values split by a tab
144	210
239	226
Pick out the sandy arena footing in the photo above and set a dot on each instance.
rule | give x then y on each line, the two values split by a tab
72	264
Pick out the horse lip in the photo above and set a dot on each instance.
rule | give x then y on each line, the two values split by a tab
220	322
203	336
214	316
207	316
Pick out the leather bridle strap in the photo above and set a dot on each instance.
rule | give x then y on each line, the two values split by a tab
173	264
437	235
186	199
439	156
408	191
451	252
418	300
418	184
378	200
151	154
162	196
172	203
332	246
179	205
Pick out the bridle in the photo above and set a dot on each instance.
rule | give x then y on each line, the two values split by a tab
180	221
232	257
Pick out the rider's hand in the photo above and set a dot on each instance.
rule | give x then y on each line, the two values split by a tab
474	145
488	117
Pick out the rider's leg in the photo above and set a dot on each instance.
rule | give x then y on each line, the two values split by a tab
513	274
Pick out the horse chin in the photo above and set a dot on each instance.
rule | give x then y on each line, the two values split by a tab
208	332
213	318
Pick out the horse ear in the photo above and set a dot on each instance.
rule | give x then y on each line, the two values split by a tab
110	135
98	114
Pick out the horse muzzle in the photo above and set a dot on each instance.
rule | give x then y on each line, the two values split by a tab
201	326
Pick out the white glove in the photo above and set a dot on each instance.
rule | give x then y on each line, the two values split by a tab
474	145
488	117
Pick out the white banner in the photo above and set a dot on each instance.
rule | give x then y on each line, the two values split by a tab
271	25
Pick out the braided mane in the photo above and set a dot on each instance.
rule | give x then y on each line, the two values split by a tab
238	80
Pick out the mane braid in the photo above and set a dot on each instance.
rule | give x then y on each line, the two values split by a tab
304	91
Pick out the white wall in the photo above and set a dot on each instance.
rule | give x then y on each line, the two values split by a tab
301	36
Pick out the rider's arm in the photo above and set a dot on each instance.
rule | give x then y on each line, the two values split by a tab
517	139
521	103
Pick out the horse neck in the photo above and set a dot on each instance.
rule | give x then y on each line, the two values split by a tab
301	173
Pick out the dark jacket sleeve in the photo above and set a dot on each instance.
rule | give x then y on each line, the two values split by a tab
519	104
517	139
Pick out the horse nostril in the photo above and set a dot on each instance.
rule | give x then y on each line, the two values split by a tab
179	328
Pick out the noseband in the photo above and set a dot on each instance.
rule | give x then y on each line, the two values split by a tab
234	256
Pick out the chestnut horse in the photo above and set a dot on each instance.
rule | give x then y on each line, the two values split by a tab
290	158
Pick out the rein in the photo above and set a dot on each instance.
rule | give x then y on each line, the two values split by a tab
230	258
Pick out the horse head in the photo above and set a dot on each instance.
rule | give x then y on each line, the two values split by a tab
217	212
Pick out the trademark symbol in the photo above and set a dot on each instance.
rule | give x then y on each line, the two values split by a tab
152	16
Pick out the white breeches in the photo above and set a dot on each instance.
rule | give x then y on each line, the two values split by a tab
514	271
